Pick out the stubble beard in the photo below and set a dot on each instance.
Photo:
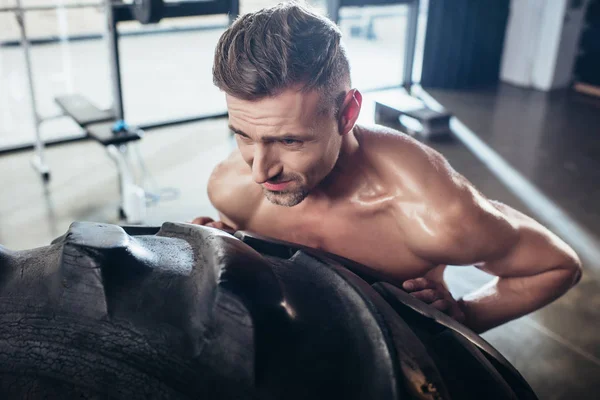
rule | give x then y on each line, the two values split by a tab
286	198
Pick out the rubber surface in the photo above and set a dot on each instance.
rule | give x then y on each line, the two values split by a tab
188	312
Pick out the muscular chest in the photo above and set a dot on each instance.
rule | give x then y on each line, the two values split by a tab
372	240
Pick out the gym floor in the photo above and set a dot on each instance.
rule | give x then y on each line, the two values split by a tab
545	138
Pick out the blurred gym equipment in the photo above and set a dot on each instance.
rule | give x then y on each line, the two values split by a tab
109	127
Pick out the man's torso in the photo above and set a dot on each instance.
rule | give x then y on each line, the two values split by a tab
358	219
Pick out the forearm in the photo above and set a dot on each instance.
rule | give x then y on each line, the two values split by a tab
507	298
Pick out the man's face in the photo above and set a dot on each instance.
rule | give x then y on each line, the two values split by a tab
287	141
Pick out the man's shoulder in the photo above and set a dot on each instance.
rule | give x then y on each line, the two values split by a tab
395	154
233	166
231	190
442	213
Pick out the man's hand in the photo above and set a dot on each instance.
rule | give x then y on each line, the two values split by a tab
207	221
436	295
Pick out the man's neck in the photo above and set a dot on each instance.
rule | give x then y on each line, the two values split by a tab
338	179
348	150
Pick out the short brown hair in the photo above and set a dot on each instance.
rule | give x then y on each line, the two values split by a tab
268	51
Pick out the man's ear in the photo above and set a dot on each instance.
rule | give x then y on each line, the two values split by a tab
349	111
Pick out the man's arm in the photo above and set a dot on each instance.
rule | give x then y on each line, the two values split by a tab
537	269
459	226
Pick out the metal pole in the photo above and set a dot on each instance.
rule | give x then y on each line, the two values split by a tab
51	7
333	10
235	11
38	159
112	36
63	34
420	42
410	43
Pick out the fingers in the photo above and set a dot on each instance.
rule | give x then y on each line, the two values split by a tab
435	295
437	300
457	313
441	305
428	296
220	225
207	221
449	308
459	317
202	220
412	285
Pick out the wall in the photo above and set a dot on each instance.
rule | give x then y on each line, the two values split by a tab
541	43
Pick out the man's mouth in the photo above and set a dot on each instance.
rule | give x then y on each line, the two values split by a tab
276	187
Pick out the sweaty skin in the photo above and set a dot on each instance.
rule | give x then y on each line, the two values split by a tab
378	197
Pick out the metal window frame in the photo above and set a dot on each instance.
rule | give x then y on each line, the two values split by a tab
333	12
122	14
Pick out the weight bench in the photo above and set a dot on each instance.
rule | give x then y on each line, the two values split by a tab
412	115
103	127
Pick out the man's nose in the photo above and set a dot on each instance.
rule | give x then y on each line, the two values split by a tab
264	166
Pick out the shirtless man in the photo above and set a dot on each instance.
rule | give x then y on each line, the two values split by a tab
304	172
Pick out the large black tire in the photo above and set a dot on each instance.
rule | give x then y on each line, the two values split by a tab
189	312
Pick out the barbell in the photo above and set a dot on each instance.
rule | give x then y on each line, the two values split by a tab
145	11
148	11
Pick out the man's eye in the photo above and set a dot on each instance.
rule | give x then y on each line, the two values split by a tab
289	142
